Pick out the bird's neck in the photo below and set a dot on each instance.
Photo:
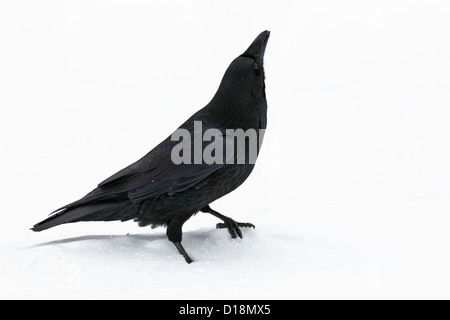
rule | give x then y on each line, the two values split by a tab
244	111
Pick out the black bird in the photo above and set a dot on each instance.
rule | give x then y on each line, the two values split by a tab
155	191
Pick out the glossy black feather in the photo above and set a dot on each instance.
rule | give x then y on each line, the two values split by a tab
155	191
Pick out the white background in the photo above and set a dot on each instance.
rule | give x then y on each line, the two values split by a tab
351	194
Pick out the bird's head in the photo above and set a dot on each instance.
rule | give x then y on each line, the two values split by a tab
245	75
241	97
253	57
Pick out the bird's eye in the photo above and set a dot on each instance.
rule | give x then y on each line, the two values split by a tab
255	66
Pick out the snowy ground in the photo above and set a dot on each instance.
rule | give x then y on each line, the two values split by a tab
351	194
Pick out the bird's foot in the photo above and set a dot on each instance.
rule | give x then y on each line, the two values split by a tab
230	224
234	227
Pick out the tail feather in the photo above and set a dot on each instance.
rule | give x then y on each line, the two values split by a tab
102	211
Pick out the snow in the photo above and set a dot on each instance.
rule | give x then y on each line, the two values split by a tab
350	196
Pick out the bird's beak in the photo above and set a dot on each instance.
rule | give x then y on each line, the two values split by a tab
258	47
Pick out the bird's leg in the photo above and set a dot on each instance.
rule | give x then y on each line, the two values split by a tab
182	252
174	234
230	224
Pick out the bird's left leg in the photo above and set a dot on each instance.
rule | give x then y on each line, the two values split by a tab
232	226
174	234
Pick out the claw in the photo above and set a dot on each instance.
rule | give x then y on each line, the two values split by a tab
234	227
230	224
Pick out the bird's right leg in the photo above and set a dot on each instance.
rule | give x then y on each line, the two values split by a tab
174	234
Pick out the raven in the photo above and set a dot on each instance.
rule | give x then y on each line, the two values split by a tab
156	191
